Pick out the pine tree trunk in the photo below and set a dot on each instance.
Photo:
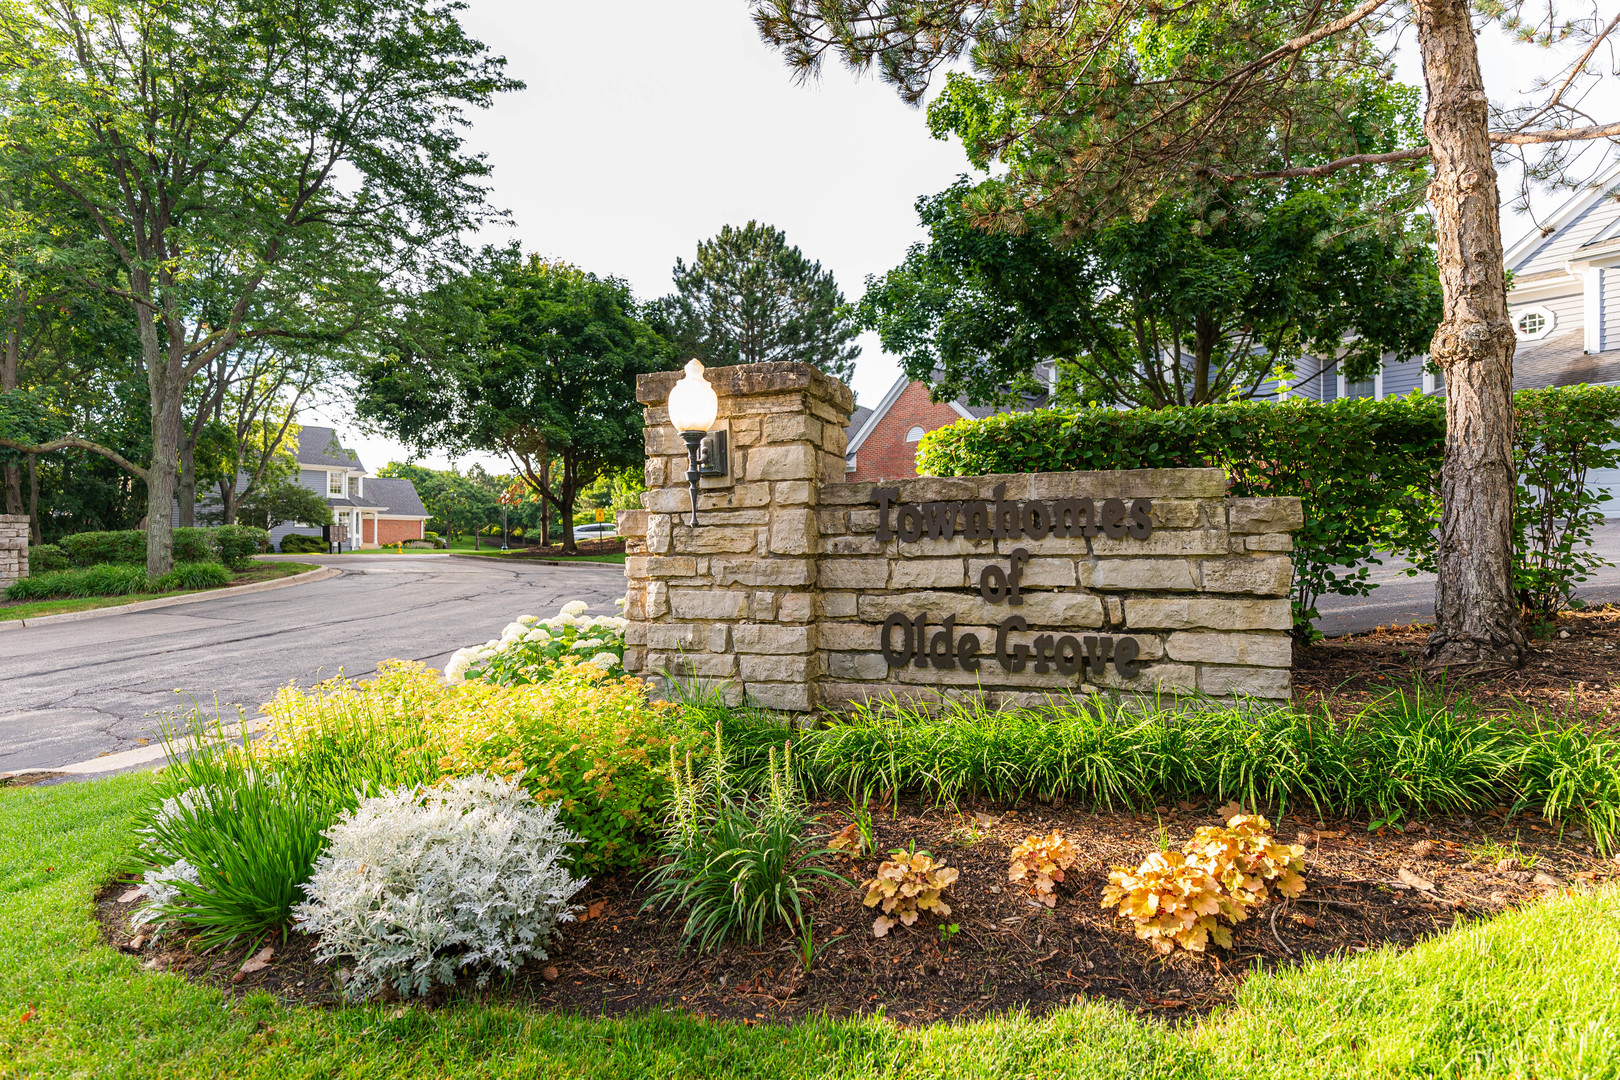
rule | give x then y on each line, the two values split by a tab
1477	623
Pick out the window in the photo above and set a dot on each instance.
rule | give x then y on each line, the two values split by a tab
1533	324
334	483
915	435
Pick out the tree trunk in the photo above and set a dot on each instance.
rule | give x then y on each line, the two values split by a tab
1477	622
186	492
14	496
33	499
566	506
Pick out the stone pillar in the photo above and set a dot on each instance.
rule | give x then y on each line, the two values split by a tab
731	603
13	548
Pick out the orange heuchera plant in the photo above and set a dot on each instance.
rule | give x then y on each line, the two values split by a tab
1179	898
906	886
1039	863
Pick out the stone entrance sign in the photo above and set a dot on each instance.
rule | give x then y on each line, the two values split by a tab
799	590
13	548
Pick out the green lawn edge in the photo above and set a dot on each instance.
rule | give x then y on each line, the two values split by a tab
1526	994
38	608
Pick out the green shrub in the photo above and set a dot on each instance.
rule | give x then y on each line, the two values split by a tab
95	548
49	586
193	575
735	863
190	546
47	559
301	544
112	579
237	544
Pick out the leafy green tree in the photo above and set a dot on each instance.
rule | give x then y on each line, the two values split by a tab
1187	306
527	358
283	502
460	504
257	170
1122	105
750	298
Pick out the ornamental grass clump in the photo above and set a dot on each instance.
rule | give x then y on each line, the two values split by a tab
736	863
417	885
1220	875
531	649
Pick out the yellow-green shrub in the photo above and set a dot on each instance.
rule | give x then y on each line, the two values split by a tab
591	742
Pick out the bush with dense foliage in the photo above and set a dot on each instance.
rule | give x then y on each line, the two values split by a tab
415	885
193	575
233	545
107	579
530	648
237	544
95	548
1367	472
591	742
47	559
303	544
736	863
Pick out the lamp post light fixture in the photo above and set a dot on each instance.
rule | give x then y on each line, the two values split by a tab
693	405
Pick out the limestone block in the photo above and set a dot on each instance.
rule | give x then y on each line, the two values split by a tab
757	669
835	441
785	697
1263	576
927	574
1038	572
847	636
846	695
921	489
792	427
1072	546
793	531
718	637
736	497
1129	484
660	527
857	665
1187	514
1266	515
1149	575
862	520
666	566
832	467
1264	682
662	439
795	461
1251	649
832	522
657	599
687	665
632	523
852	573
1200	613
667	500
768	572
794	607
783	640
1165	542
836	605
852	545
635	633
1269	542
654	473
678	637
635	604
935	549
1152	679
693	603
745	430
791	492
846	494
715	539
635	659
1039	609
1115	607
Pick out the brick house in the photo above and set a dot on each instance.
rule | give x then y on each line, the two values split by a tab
883	440
376	510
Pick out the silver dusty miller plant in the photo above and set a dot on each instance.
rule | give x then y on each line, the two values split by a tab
418	884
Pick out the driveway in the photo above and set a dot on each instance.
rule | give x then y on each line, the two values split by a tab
1401	600
78	690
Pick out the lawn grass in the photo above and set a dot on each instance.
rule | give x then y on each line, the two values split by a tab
259	571
1525	994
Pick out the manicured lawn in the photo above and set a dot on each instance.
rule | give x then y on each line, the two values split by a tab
1526	994
259	571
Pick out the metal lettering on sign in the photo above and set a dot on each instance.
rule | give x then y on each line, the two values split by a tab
915	640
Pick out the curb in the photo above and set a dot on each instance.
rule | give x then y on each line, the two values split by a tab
520	560
126	759
174	601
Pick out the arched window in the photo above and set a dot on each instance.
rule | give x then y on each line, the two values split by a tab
915	435
1533	324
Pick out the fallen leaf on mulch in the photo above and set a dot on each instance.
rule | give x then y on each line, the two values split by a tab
1230	810
1421	884
592	912
257	962
1546	881
1423	848
132	895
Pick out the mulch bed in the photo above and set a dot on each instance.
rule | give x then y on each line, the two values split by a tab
1575	669
608	546
1009	952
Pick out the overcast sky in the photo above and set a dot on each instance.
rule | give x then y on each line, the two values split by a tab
649	124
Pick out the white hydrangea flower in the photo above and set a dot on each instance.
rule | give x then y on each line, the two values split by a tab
574	607
528	620
565	619
605	660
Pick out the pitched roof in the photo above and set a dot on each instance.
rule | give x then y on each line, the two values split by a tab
397	495
320	446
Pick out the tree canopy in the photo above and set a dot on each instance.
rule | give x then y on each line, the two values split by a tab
748	297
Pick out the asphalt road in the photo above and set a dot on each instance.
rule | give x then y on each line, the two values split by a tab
74	691
1402	600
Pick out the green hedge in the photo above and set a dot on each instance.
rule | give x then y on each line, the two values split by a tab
116	579
233	545
47	559
301	544
1367	471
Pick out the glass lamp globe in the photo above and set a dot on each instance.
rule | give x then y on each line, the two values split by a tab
693	404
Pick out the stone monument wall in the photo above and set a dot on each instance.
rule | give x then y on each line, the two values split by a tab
13	548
